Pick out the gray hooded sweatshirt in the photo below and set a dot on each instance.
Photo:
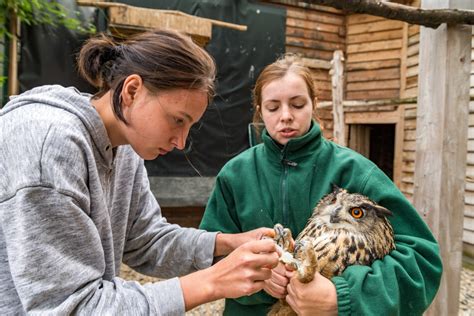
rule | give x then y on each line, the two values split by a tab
72	209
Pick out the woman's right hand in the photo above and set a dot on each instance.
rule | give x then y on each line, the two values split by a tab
244	271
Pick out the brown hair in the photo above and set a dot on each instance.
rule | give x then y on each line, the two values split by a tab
164	59
278	69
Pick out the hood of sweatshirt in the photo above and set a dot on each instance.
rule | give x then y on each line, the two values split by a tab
68	99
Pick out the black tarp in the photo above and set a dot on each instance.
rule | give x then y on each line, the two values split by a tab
240	56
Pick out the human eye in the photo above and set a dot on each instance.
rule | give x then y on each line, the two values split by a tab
272	107
179	121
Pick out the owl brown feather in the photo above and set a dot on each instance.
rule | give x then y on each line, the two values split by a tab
345	229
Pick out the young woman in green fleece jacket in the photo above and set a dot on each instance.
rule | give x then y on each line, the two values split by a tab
282	179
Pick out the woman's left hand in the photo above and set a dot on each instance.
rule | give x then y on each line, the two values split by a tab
317	297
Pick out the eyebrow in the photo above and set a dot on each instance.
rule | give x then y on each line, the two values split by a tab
292	98
187	116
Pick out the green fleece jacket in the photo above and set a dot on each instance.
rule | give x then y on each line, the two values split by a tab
269	184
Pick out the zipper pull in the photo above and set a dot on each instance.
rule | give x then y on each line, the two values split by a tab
289	163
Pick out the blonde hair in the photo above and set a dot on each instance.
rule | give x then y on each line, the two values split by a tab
278	69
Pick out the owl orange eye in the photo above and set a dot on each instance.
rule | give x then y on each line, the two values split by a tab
356	212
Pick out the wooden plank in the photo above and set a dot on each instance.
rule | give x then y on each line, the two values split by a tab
372	117
374	46
371	56
373	37
410	124
413	60
412	82
412	71
307	6
415	39
398	151
413	50
408	156
148	19
403	62
353	19
375	27
309	52
369	65
410	135
373	75
468	237
410	113
413	30
411	92
469	210
313	25
313	15
373	94
409	145
374	85
337	80
302	42
314	35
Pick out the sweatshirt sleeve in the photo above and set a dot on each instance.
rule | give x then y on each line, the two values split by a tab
57	261
403	282
155	247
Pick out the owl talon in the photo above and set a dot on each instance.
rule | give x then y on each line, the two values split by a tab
283	237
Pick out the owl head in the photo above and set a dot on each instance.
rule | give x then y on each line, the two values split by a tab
349	211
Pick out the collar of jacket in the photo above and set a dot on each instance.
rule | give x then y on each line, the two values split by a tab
296	148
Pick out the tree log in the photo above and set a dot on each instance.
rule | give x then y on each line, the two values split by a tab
427	17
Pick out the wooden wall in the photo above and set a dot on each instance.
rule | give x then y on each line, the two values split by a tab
468	234
409	88
373	57
314	32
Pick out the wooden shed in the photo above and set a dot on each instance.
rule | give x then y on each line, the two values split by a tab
380	88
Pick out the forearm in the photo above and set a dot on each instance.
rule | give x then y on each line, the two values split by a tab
197	295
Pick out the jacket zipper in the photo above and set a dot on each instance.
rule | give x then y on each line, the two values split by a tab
286	166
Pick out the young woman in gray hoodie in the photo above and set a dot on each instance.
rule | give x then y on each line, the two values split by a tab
75	200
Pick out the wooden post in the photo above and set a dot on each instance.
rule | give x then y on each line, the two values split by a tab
441	144
337	79
13	87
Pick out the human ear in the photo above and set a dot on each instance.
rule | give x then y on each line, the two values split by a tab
131	86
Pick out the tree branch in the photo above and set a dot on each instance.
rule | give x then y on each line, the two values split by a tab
395	11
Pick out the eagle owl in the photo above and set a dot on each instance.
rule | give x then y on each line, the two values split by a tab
344	229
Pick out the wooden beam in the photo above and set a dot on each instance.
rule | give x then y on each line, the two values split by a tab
394	11
441	144
337	79
13	86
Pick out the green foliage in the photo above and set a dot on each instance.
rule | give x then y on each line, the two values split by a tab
35	12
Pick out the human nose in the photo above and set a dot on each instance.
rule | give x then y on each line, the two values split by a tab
179	140
286	114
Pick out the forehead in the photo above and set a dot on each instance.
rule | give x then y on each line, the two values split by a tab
185	101
289	85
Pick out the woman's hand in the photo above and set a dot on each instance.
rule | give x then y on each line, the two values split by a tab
242	272
317	297
225	243
276	284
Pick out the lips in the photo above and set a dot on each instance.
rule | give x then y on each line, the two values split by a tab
163	151
288	132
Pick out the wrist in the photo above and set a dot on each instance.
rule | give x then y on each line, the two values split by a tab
224	244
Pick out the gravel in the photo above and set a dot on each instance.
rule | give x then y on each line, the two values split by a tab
466	297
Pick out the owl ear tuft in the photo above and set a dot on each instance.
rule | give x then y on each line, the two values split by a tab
335	188
382	210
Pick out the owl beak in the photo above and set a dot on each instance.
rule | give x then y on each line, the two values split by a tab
333	218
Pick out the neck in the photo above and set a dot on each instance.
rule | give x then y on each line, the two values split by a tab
113	125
